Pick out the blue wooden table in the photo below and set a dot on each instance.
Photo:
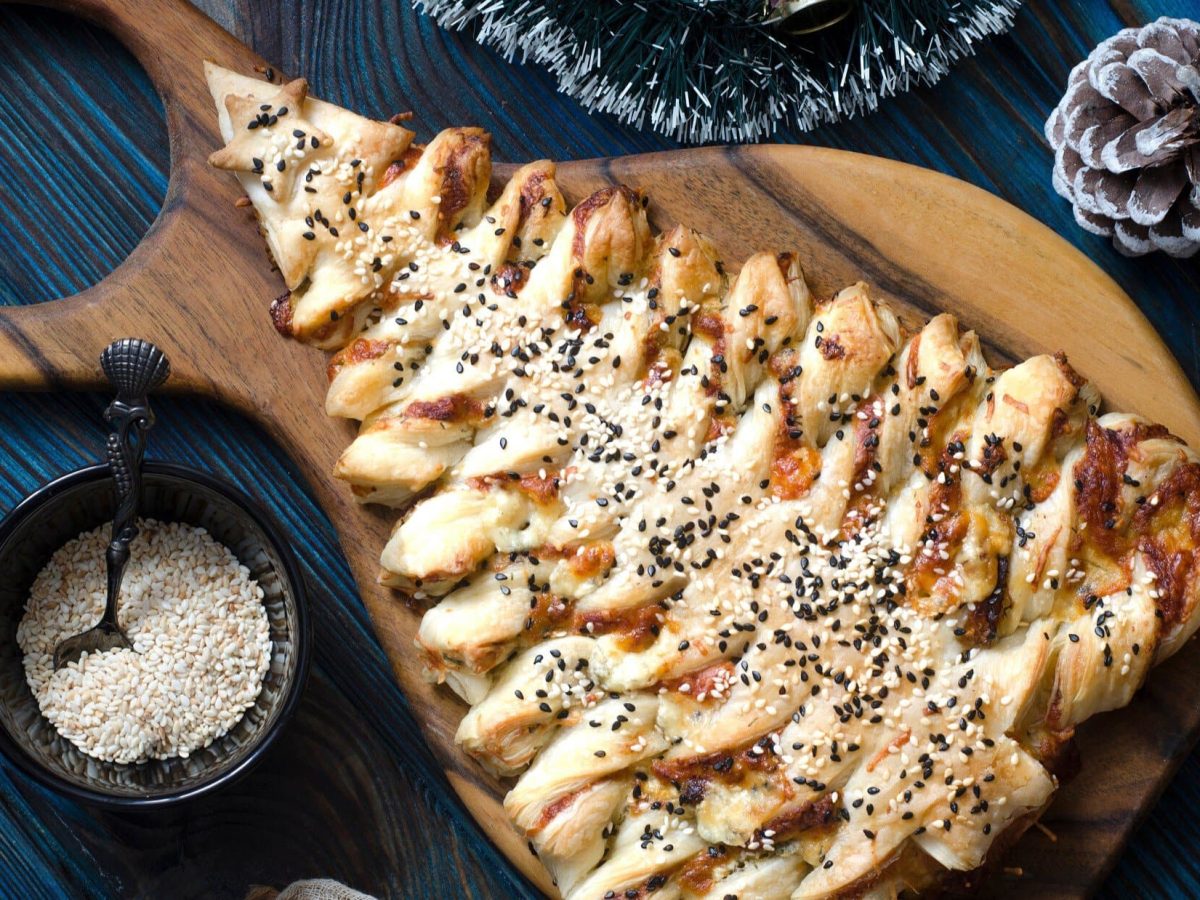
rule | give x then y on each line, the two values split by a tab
350	791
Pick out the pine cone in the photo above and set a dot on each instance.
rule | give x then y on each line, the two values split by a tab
1126	139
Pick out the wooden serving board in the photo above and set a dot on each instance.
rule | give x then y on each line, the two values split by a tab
200	282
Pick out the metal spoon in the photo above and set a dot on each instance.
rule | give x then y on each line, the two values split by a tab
134	368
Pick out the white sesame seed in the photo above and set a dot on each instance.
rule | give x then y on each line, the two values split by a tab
200	635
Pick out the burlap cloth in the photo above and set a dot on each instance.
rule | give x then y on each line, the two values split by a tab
311	889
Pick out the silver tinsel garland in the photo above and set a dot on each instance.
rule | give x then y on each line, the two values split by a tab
720	70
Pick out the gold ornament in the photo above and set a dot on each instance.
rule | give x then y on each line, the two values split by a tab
806	16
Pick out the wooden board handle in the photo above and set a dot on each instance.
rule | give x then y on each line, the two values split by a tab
57	344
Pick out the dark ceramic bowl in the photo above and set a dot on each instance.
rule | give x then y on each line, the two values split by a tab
82	500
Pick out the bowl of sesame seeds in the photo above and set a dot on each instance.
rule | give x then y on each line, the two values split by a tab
216	612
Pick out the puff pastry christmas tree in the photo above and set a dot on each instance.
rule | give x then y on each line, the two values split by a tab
752	594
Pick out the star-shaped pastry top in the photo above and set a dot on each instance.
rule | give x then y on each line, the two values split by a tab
314	173
272	138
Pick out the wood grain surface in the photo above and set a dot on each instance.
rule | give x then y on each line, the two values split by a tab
219	341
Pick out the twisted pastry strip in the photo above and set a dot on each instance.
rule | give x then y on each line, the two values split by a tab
757	597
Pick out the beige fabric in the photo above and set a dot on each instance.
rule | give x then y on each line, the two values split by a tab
309	889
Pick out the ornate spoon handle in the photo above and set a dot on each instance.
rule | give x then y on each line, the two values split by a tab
134	368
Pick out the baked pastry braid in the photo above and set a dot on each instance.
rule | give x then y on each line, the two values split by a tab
752	593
